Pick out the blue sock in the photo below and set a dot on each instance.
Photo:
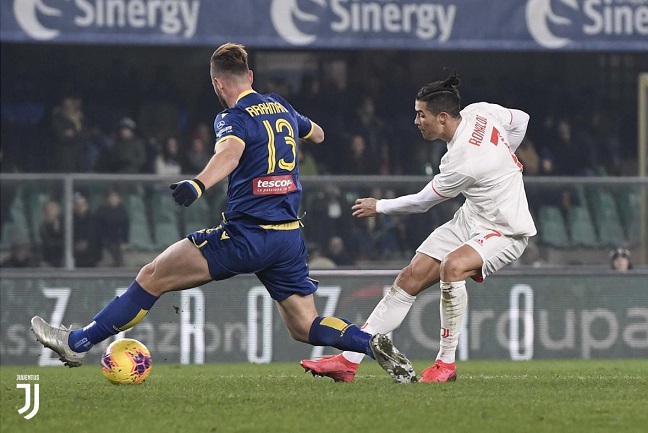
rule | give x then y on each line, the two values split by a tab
339	333
120	314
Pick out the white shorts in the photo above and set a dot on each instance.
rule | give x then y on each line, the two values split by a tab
496	250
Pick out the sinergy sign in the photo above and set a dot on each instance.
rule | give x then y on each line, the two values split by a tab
597	17
169	17
423	19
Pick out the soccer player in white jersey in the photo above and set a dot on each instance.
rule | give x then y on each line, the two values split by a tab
489	231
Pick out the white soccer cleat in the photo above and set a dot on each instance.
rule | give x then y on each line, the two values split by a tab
56	338
391	360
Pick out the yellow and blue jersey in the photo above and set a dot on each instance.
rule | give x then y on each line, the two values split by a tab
265	185
260	233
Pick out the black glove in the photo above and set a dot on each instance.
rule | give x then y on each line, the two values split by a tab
186	192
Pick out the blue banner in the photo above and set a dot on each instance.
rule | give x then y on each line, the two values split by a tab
605	25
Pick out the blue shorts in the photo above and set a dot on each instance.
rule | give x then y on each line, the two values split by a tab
275	253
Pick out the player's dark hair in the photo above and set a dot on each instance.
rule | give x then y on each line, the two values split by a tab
442	96
229	58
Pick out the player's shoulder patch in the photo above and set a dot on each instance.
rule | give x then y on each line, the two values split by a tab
224	122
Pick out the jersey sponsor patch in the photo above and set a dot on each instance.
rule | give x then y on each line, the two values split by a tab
269	185
222	131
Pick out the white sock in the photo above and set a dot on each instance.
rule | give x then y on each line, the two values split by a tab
454	300
387	316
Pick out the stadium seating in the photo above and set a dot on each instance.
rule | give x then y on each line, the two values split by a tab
606	217
628	199
35	196
197	216
140	234
95	194
165	234
581	227
18	213
11	232
552	228
164	215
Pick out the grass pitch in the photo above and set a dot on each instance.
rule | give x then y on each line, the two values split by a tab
489	396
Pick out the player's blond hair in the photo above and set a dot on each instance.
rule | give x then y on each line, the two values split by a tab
229	58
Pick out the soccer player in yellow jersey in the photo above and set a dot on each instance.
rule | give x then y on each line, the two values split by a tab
256	150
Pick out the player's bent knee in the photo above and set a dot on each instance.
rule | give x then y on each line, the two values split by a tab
146	273
146	278
452	269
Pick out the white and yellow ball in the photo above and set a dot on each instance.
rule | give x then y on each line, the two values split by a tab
126	361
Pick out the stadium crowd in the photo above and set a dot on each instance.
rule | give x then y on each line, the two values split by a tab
123	123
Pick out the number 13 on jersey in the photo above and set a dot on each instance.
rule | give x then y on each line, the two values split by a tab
282	128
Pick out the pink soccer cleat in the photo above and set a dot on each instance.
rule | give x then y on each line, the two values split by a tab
337	367
439	372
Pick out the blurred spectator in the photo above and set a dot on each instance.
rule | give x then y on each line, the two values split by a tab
318	261
311	100
200	151
358	159
384	237
20	256
422	163
114	224
547	165
341	91
327	214
280	86
376	135
309	95
571	158
620	259
604	147
51	233
128	154
528	156
337	252
87	249
70	135
167	163
307	164
95	148
206	134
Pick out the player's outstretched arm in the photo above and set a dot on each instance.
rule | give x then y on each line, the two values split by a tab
412	203
225	160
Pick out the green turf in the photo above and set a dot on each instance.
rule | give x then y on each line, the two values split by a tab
502	396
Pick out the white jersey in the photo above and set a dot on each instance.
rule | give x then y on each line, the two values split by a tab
481	165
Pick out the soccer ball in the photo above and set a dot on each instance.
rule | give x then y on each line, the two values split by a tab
126	361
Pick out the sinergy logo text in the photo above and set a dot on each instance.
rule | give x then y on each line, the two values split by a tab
170	17
423	19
